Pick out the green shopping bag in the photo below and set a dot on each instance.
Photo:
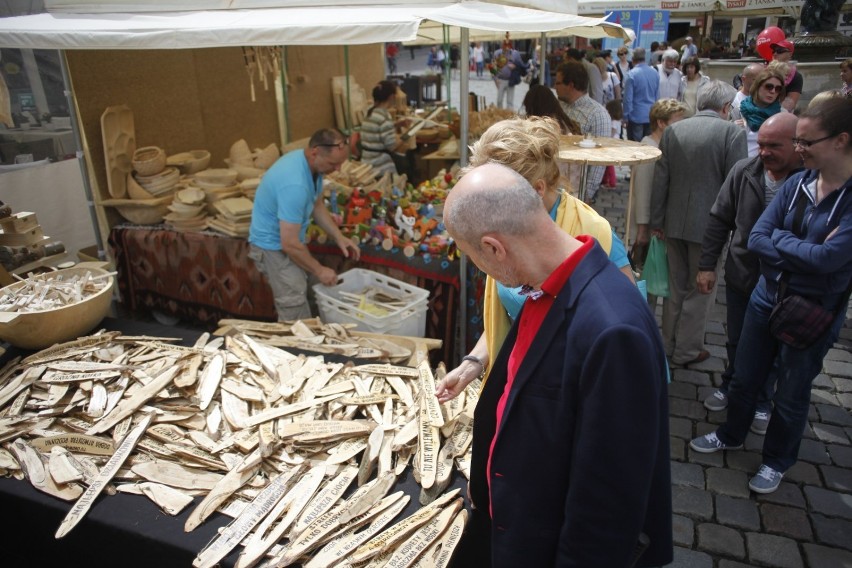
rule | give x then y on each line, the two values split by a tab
656	270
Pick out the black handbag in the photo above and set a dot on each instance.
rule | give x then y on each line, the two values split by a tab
799	322
796	320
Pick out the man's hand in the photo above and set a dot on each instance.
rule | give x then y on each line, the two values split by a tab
705	279
658	233
348	248
327	276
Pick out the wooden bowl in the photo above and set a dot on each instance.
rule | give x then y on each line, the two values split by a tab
217	176
141	211
37	330
266	157
190	162
149	161
136	191
240	153
245	172
190	196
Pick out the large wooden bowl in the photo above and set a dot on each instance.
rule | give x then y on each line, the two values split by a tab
37	330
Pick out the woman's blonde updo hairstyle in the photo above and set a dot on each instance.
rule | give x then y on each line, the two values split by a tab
529	146
664	110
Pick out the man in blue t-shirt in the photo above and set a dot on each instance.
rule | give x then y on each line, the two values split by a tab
289	194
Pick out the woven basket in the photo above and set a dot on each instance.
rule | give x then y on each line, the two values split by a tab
149	161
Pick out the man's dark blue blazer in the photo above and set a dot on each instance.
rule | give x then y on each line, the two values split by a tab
581	464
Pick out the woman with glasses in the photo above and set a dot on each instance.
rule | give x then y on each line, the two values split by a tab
530	147
804	242
622	66
765	96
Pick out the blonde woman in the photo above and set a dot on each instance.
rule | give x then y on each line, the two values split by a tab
663	113
530	147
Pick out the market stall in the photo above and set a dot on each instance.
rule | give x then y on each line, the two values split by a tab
209	277
195	414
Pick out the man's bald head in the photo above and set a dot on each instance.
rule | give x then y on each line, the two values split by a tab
491	199
783	122
748	75
775	144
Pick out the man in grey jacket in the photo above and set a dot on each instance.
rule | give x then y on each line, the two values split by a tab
747	191
698	153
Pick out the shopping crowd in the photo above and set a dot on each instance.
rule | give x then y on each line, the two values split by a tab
571	454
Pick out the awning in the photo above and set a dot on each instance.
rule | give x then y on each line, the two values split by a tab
325	23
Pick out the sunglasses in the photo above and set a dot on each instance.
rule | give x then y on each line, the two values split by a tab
772	87
802	143
343	144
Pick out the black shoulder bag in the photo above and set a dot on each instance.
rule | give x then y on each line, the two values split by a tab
795	320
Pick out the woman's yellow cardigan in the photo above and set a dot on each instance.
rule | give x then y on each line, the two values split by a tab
575	218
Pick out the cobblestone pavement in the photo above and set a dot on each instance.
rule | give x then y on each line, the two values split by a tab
718	522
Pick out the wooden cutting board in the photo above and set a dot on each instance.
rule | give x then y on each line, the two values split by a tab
119	136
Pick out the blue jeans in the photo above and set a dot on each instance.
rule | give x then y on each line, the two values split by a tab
636	131
795	370
736	308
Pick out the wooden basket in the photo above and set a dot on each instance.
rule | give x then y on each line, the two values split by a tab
141	211
190	162
149	161
37	330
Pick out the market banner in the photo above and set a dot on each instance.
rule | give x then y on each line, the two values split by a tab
649	26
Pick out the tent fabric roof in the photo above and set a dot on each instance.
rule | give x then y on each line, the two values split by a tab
326	23
339	25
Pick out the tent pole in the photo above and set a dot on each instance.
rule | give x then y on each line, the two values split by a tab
78	142
285	95
541	58
348	114
464	87
448	70
464	109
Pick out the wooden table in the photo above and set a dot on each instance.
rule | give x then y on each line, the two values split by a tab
608	152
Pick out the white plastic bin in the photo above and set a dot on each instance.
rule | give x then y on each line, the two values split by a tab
409	319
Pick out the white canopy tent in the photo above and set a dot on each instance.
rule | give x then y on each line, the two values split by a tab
182	24
719	7
178	25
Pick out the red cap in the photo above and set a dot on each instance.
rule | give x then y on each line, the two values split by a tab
783	45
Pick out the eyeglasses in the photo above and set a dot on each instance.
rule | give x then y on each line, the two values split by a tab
802	143
772	87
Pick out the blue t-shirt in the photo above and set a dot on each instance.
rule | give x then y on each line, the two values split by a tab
287	192
512	299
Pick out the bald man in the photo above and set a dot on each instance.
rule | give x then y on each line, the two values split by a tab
747	76
747	191
571	449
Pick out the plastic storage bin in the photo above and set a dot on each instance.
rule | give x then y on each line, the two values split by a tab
409	319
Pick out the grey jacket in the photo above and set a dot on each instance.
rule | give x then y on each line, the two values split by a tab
698	153
738	207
